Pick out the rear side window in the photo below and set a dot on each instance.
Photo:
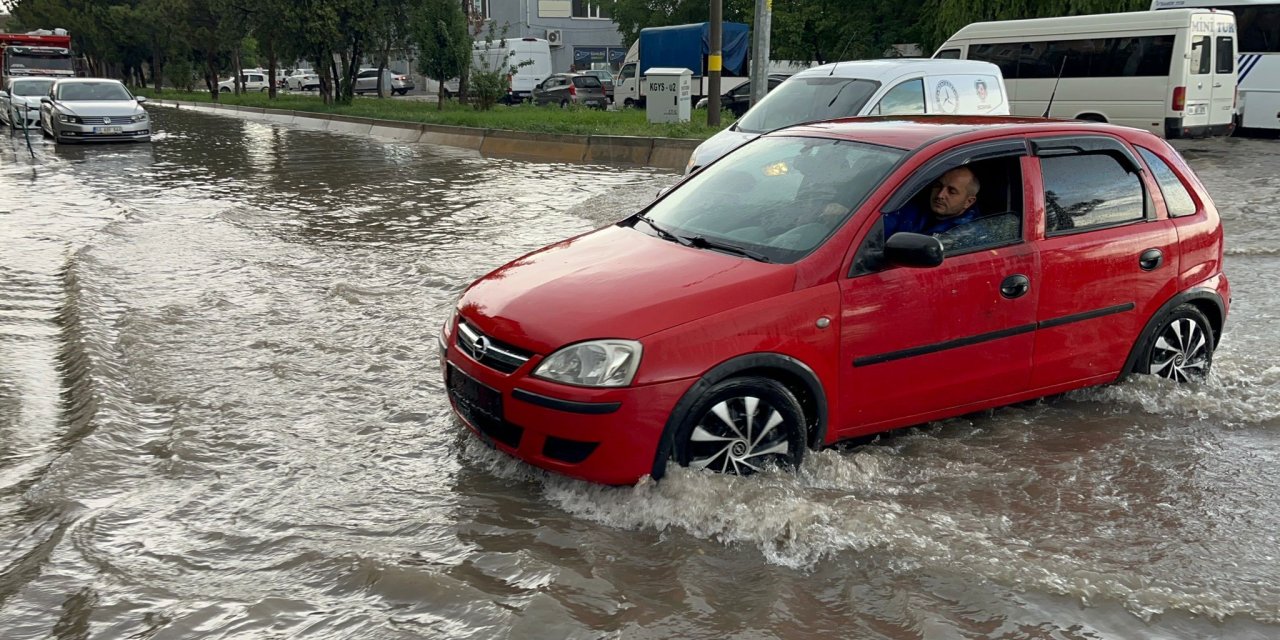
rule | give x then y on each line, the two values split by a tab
1177	199
1089	190
586	82
1226	55
1200	55
948	54
906	98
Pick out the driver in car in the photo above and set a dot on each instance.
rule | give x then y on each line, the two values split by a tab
952	202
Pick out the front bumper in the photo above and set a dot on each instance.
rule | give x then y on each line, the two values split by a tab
608	436
68	131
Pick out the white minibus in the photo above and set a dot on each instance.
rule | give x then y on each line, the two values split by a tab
1170	72
1258	63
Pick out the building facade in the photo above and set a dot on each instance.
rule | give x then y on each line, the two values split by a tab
581	33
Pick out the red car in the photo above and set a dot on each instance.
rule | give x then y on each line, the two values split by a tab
756	310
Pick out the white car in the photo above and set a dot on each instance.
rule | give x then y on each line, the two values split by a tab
252	82
302	80
93	109
20	101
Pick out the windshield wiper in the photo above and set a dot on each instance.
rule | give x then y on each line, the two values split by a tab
701	242
663	233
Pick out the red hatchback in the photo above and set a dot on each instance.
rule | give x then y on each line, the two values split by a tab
757	309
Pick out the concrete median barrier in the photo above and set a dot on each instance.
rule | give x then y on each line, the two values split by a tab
534	146
465	137
619	149
396	130
672	153
347	124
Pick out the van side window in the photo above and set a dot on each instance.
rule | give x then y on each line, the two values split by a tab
1226	55
948	54
906	98
1089	190
1176	197
1200	59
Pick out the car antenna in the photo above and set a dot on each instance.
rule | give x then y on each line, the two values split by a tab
1055	87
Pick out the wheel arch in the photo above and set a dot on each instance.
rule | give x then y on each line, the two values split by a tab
1207	301
792	373
1092	116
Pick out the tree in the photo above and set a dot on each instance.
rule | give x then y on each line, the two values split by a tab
439	29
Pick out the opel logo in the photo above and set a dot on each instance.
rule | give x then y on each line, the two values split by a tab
106	121
480	347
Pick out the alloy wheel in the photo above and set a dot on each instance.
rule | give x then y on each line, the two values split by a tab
1181	352
739	435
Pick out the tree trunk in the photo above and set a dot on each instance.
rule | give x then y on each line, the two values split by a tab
271	69
235	64
157	70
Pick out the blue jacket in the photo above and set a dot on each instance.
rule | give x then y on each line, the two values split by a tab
915	219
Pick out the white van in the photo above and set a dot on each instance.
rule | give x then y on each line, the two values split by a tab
865	88
513	52
1170	72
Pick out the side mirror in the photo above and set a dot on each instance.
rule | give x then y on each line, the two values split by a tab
140	99
4	94
913	250
663	191
45	100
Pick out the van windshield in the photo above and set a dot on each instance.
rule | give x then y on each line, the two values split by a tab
808	100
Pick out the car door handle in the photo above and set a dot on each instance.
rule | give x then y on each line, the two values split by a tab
1217	85
1151	259
1015	286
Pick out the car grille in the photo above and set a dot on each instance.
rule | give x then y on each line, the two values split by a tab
103	120
489	352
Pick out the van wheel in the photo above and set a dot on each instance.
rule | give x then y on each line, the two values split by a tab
225	90
741	426
1181	346
628	103
564	104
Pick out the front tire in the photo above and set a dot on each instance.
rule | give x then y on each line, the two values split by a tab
741	426
1180	347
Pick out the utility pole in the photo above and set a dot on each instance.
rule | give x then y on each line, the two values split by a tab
714	63
760	50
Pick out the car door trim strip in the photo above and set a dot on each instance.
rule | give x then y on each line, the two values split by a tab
991	335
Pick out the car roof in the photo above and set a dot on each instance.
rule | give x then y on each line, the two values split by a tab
893	67
62	81
913	132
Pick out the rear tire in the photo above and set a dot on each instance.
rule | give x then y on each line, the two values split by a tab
740	426
1180	346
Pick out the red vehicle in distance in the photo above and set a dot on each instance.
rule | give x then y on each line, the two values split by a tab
35	54
757	311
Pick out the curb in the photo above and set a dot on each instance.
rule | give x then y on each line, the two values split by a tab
660	153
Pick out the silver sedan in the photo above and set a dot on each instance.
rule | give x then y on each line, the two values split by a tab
93	109
20	101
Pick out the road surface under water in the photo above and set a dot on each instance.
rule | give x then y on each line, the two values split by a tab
221	417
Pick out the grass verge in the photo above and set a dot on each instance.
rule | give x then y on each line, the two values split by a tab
580	121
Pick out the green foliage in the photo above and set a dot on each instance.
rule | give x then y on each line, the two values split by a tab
493	65
439	30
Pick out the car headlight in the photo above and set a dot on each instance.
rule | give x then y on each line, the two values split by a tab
67	118
598	363
141	117
690	166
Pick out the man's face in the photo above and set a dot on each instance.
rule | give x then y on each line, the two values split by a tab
950	195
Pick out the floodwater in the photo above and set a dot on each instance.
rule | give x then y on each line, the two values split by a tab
221	417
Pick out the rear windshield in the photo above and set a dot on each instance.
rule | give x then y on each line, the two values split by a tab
808	100
586	81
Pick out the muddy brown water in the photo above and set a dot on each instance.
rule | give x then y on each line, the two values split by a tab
221	417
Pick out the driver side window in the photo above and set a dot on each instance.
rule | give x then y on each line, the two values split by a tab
904	99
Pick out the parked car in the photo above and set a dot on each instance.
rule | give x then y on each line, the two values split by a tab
20	101
302	80
567	89
738	99
865	87
397	83
254	81
606	80
93	109
772	317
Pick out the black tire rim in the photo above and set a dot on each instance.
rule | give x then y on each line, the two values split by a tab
1181	351
740	435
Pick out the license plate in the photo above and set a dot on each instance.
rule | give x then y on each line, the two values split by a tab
476	402
1198	109
107	129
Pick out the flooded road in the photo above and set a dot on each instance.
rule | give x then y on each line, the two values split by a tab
221	417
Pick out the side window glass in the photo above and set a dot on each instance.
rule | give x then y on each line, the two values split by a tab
1089	190
948	54
1226	55
1200	59
1176	197
906	98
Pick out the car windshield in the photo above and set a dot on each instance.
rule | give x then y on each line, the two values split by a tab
779	197
51	62
93	91
808	100
31	87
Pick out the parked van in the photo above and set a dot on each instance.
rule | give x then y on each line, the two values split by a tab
513	52
865	88
1170	72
